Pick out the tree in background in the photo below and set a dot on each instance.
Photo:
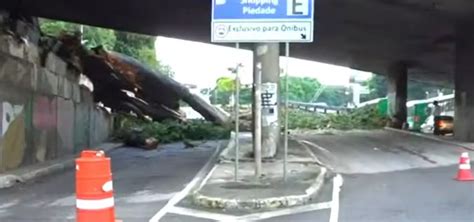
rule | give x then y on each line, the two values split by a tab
93	36
377	86
421	90
417	90
335	96
301	89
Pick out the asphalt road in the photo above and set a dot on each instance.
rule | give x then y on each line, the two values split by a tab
393	177
377	151
143	183
387	177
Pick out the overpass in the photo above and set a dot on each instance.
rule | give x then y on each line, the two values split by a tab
419	39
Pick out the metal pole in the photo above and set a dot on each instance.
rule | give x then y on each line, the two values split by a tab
285	155
237	113
81	29
258	120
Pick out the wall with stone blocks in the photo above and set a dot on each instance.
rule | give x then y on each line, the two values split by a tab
45	113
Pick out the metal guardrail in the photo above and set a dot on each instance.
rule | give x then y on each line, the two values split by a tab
311	107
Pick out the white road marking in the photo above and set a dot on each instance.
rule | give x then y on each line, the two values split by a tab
316	146
305	144
207	177
10	204
337	184
181	195
65	201
201	214
284	212
147	197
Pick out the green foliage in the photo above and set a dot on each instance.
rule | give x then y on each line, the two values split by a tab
137	46
225	84
223	97
300	89
165	69
169	131
416	89
335	96
377	86
54	28
246	96
364	118
220	97
140	47
93	36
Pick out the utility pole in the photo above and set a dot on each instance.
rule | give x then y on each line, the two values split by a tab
268	56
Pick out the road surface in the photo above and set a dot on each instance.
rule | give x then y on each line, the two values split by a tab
143	183
387	176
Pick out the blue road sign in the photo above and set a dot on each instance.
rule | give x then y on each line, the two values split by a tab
262	20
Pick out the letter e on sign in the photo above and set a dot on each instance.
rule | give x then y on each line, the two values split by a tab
297	7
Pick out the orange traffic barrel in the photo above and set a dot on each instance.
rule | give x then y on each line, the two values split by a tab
94	188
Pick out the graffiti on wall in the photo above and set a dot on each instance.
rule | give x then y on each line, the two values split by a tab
9	113
45	128
12	142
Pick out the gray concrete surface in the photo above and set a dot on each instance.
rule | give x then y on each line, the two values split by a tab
143	182
416	195
380	151
221	191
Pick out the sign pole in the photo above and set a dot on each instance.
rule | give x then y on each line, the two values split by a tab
257	109
285	155
237	113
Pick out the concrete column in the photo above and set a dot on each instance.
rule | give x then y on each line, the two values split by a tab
397	94
267	57
463	82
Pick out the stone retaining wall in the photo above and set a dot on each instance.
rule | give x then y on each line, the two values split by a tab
45	113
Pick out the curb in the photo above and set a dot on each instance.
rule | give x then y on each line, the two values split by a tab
264	203
28	173
429	137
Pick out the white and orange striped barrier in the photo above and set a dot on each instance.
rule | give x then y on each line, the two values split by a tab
94	188
464	172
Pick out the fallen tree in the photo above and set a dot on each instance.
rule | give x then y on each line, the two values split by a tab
126	85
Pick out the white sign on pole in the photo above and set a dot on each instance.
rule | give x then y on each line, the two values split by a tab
269	103
262	21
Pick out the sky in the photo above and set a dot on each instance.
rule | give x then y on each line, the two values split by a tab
201	64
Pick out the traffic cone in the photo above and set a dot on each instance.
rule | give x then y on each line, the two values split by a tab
464	173
94	189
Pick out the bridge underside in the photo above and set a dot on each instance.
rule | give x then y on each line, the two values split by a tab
429	40
367	35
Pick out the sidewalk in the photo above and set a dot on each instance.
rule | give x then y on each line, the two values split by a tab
220	191
21	175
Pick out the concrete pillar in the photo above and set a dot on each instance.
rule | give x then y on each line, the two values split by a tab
397	94
463	83
266	58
